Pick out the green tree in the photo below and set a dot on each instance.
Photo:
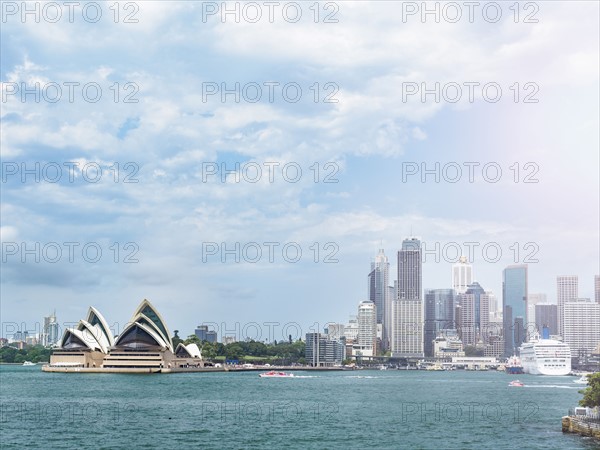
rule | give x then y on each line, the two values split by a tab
193	339
473	351
591	395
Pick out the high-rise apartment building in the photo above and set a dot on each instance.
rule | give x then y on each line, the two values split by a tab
366	342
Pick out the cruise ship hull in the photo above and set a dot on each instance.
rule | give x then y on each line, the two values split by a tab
546	357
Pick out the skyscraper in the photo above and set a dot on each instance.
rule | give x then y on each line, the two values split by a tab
474	319
462	275
379	290
366	344
409	270
581	325
477	291
567	288
50	333
597	288
546	315
439	315
407	308
514	302
532	300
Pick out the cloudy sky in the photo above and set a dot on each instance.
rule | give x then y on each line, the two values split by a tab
341	107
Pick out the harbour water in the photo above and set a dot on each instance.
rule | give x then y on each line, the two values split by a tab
354	409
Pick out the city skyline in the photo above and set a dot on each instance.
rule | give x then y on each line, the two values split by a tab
38	327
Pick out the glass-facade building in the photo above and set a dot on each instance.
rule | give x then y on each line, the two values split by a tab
439	315
514	307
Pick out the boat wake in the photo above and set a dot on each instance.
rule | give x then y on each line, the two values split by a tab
556	386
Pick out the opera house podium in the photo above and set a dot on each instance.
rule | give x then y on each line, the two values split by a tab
144	346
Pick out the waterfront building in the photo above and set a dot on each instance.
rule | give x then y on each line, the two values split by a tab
143	345
567	288
366	342
446	347
546	316
322	351
581	325
494	347
204	334
514	303
439	315
462	275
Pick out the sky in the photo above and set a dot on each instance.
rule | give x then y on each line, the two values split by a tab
147	146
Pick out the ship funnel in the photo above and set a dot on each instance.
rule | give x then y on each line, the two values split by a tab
545	332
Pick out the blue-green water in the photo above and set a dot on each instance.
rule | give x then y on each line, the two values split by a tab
360	409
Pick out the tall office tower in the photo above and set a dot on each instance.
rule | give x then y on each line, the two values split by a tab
597	288
581	325
485	330
567	288
387	318
532	300
467	329
514	307
439	316
407	308
495	313
50	332
477	291
409	270
462	275
366	342
546	316
407	328
378	288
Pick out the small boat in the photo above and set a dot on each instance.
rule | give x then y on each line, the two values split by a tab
273	374
516	383
29	363
582	380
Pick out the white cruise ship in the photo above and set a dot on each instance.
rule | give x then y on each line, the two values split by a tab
546	357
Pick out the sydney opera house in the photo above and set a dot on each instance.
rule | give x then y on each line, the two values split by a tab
144	345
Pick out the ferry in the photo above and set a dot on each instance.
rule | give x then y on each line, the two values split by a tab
513	365
273	374
546	357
